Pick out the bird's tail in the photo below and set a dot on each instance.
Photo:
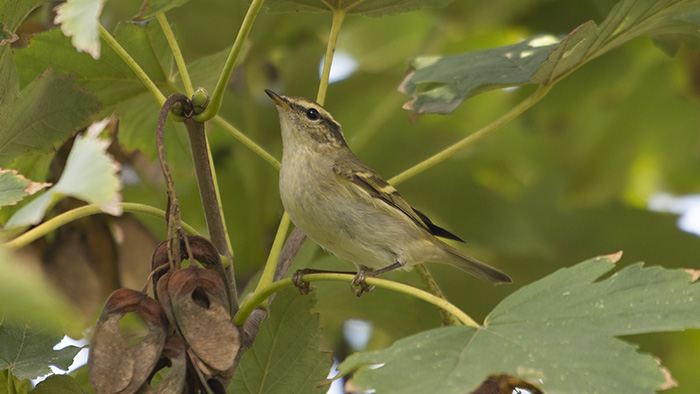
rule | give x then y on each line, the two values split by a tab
473	266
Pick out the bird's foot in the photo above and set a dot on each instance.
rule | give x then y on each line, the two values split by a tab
358	284
298	280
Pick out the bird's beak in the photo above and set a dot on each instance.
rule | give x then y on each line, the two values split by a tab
279	100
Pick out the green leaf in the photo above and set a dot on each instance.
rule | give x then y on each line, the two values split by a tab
627	19
684	31
285	356
79	19
354	7
558	333
14	187
13	12
441	84
91	174
27	350
6	35
113	82
19	386
42	115
110	78
58	384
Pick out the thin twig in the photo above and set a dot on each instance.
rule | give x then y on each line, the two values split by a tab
439	157
210	200
217	95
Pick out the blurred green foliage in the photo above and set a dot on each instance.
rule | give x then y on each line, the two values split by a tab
567	180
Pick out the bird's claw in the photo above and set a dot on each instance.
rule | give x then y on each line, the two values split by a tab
358	284
298	280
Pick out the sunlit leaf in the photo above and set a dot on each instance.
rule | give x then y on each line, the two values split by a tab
27	350
79	19
440	84
285	356
558	333
354	7
627	19
14	187
91	174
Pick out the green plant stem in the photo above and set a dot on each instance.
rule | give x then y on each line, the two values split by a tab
77	213
540	92
259	296
140	74
218	95
271	264
338	16
177	54
432	287
237	134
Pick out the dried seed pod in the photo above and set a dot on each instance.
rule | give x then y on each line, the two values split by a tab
114	365
200	308
174	356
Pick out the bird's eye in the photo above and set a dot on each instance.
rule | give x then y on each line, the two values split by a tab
312	114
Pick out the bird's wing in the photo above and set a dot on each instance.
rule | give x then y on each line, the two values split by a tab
361	175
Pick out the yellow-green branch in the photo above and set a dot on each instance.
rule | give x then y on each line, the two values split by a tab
217	96
140	74
258	297
338	16
75	214
177	54
474	137
245	140
271	264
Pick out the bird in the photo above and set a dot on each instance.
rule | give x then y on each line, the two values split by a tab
349	209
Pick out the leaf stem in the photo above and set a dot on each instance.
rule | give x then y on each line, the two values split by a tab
245	140
77	213
270	266
338	16
258	297
140	74
439	157
177	54
218	95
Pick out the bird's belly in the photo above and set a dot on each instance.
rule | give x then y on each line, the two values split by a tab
353	230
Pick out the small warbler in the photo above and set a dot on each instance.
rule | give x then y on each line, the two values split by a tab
348	209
